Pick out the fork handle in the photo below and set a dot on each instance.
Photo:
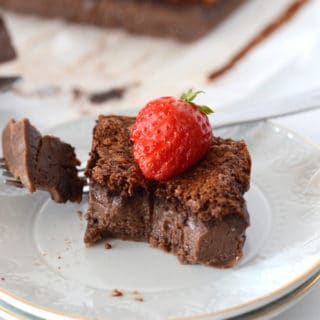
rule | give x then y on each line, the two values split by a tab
246	113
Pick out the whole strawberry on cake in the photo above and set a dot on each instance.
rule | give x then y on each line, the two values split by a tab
170	135
164	178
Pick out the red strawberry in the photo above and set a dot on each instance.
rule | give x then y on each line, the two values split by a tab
170	135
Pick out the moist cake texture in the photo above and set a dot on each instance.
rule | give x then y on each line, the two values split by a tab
184	20
41	161
200	215
119	193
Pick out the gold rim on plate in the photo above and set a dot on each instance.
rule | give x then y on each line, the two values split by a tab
309	274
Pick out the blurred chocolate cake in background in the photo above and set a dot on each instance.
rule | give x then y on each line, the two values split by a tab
186	20
7	52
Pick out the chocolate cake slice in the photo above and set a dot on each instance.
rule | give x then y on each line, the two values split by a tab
184	20
200	216
7	52
41	161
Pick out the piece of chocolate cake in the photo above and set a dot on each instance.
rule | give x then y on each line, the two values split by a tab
7	52
41	161
184	20
199	215
119	193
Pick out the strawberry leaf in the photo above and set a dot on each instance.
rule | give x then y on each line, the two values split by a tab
206	110
189	96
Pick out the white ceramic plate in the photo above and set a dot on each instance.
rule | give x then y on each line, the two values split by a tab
49	273
265	312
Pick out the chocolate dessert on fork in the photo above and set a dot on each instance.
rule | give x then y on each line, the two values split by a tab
196	211
41	162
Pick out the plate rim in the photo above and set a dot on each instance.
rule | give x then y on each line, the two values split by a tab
312	279
278	293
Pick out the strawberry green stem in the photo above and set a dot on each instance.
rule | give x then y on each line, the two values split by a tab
189	96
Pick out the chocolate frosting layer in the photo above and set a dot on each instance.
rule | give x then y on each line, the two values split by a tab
111	161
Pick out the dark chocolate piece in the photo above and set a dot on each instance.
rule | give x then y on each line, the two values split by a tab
107	246
7	52
7	82
41	161
139	299
104	96
117	293
200	216
184	20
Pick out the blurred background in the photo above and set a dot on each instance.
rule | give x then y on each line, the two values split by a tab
103	56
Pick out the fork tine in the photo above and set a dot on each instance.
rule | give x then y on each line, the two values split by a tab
81	174
86	189
7	174
14	183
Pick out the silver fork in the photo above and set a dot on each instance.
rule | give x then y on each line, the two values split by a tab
12	181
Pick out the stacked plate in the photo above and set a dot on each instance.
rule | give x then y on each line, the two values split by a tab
47	273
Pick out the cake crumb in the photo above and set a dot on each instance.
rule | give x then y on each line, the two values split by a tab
107	246
59	268
80	214
137	295
59	257
36	262
140	299
117	293
77	93
67	243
